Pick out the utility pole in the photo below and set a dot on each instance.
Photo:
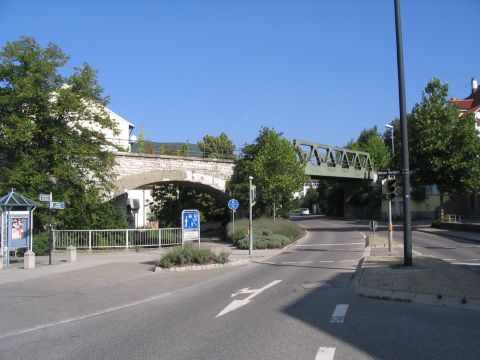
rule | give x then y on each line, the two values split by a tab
407	223
250	222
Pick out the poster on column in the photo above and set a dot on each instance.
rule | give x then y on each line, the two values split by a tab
19	230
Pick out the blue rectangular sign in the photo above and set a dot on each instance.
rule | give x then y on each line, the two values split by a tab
191	220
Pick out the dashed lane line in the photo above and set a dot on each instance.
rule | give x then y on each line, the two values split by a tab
343	244
339	313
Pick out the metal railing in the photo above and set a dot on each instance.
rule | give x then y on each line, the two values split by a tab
123	238
460	219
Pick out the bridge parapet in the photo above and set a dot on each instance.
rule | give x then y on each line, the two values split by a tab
330	161
134	170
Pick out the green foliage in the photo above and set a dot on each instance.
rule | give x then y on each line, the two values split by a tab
141	148
40	244
444	147
50	130
365	195
276	170
170	199
372	142
267	234
190	255
217	146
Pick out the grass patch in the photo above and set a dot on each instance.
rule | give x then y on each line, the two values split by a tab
190	256
267	234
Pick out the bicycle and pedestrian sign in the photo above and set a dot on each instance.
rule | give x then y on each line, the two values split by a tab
190	226
233	204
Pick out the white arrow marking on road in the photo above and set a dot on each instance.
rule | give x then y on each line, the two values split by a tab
236	304
325	353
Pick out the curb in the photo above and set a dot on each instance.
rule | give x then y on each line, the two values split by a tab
402	296
201	267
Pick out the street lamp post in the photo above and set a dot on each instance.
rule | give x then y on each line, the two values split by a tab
388	126
407	222
250	222
390	224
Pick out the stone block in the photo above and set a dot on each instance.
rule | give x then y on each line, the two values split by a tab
71	254
29	260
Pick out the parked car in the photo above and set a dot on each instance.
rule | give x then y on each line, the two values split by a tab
305	211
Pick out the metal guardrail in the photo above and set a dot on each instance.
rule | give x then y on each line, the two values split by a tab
116	238
460	219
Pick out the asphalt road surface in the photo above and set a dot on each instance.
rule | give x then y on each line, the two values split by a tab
296	305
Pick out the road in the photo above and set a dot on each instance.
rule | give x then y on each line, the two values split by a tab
297	305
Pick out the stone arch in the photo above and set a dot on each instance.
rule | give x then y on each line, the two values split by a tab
207	183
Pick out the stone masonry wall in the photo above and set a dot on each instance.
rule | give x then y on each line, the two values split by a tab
133	169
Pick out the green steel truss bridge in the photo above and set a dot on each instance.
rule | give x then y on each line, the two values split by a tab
326	161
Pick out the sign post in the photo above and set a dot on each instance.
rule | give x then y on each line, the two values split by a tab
56	205
233	205
190	226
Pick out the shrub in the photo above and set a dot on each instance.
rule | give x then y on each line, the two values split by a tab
40	244
267	234
190	255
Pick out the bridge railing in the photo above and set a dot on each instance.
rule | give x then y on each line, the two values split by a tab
176	149
116	238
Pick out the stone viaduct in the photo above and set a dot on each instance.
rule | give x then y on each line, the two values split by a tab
135	171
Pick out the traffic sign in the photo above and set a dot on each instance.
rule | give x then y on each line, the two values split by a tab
190	226
45	197
233	204
57	205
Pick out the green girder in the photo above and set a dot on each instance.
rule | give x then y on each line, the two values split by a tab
334	162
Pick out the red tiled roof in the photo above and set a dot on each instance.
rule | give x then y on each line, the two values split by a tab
462	104
469	104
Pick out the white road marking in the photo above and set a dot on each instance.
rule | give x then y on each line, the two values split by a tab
325	353
325	261
305	262
339	313
356	243
472	259
83	317
236	304
288	262
348	260
465	263
448	259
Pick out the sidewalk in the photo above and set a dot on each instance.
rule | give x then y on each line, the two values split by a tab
462	235
381	275
16	273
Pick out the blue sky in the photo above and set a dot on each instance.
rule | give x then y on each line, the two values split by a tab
315	70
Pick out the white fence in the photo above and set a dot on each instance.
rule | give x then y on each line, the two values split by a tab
124	238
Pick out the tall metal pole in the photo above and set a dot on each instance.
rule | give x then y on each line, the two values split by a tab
250	220
407	223
50	237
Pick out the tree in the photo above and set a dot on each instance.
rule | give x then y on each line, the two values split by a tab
276	170
371	141
141	146
170	199
51	132
444	147
217	146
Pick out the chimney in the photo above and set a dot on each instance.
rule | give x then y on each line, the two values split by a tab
474	85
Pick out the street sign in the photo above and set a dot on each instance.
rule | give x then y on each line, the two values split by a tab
190	226
46	197
57	205
233	204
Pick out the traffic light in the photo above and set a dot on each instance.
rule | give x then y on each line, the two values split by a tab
391	189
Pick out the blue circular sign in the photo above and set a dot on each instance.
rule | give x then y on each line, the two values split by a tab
233	204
